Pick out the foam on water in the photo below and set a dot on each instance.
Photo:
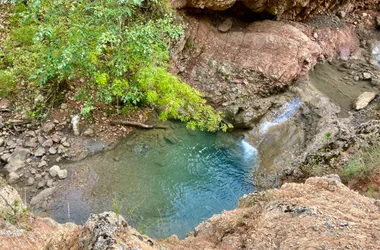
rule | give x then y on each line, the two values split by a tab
288	110
249	150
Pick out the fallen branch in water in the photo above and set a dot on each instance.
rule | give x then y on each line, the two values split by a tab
138	125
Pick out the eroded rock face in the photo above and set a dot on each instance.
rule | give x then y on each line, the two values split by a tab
283	9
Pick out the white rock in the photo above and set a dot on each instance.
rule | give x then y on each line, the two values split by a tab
62	174
54	170
363	100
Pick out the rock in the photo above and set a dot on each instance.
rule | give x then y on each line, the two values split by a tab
41	184
33	171
54	170
31	181
42	195
56	138
5	157
75	122
89	132
48	127
341	14
40	152
13	177
64	106
1	142
367	76
100	231
52	150
32	143
66	144
11	144
62	174
48	143
8	196
363	100
49	183
226	25
378	20
42	164
17	159
59	158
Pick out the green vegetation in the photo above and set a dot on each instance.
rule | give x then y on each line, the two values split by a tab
327	136
118	49
15	212
362	163
7	83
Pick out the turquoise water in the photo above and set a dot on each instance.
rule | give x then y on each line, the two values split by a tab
163	182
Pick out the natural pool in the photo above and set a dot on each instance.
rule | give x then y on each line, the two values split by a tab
163	182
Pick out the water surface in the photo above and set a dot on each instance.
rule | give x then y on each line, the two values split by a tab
163	181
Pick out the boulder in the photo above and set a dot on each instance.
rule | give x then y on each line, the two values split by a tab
363	100
17	159
8	196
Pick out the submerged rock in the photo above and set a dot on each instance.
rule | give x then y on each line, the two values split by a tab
363	100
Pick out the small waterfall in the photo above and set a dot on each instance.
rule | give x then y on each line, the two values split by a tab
249	150
286	111
376	52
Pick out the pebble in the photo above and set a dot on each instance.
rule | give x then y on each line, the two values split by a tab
40	152
56	138
367	76
1	142
48	143
33	171
41	184
31	181
42	164
48	127
49	183
59	158
52	150
54	170
66	144
62	174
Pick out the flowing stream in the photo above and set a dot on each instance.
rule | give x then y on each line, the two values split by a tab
163	182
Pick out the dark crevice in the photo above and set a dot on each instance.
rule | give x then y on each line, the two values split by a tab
241	15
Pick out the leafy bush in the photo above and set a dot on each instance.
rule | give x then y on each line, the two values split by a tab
121	48
7	83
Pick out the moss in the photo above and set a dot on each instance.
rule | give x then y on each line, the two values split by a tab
7	83
24	35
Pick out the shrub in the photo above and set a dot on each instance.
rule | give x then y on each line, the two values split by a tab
118	46
7	83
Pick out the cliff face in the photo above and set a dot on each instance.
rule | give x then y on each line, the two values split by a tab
282	9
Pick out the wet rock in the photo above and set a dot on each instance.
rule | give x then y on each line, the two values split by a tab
54	170
62	174
363	100
31	181
48	127
42	195
226	25
13	177
48	143
40	152
52	150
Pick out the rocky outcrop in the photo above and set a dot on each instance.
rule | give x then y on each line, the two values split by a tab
282	9
241	71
